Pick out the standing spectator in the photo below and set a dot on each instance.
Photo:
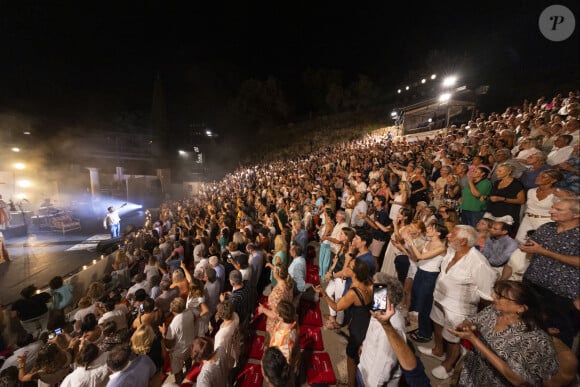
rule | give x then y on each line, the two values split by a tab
239	297
380	216
382	370
360	208
561	151
511	348
178	336
537	164
213	371
126	372
538	203
31	310
465	278
297	268
474	195
507	195
299	235
553	269
61	297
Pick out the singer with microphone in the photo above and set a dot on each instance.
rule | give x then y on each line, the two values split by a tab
112	222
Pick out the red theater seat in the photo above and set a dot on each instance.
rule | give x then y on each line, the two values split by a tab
251	376
320	369
256	347
311	338
309	313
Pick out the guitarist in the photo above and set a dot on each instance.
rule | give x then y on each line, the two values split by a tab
112	222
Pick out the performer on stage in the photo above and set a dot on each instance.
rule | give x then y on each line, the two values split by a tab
112	222
4	256
4	214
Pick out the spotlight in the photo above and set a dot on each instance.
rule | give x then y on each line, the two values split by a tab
449	81
399	91
406	87
423	80
433	76
444	97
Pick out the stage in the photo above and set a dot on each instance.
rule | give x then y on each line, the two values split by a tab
38	255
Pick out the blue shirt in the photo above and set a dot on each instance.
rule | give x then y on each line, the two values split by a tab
297	271
302	239
528	178
499	251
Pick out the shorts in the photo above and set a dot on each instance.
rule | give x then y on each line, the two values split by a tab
376	247
447	320
177	361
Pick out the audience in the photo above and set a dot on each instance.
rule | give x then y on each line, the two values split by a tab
519	164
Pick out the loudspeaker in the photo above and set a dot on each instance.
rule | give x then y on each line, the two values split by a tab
109	245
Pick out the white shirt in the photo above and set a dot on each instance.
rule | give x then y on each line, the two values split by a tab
468	280
378	363
557	156
116	315
360	208
182	331
111	218
95	375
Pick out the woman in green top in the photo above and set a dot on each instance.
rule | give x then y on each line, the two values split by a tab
474	196
279	256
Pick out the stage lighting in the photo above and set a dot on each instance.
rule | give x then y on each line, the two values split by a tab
449	81
444	97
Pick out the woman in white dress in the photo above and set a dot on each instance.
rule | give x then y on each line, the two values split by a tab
399	199
402	221
538	203
225	336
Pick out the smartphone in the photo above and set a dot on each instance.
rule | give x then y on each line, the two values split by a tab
379	297
58	331
141	308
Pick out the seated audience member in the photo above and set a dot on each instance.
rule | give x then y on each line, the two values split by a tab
561	151
381	370
85	307
275	368
90	368
51	366
127	372
26	344
499	246
111	313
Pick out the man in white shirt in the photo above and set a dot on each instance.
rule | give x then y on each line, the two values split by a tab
561	151
382	370
360	207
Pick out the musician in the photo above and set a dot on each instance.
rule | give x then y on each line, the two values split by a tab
112	222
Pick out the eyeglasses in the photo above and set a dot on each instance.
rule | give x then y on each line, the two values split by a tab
499	295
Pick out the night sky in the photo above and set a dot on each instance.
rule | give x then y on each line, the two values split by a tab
87	63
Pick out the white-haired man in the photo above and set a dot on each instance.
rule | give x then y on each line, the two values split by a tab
465	278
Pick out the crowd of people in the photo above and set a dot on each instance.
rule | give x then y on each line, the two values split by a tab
474	231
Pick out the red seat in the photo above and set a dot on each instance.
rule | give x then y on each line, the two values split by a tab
259	323
251	376
311	338
320	369
256	347
309	313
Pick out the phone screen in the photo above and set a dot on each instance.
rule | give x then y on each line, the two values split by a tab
58	331
141	308
379	297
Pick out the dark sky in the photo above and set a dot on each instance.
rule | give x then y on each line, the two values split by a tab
65	58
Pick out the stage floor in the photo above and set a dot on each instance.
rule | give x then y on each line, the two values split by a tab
40	255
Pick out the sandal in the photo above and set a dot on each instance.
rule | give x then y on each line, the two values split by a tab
415	336
331	325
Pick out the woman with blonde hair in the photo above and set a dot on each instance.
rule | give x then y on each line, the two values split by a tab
280	256
145	341
507	195
398	200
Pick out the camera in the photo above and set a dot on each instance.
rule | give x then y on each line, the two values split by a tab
379	297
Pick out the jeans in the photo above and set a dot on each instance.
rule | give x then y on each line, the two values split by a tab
422	299
471	218
115	229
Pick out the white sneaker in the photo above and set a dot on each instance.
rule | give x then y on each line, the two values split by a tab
429	352
441	373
